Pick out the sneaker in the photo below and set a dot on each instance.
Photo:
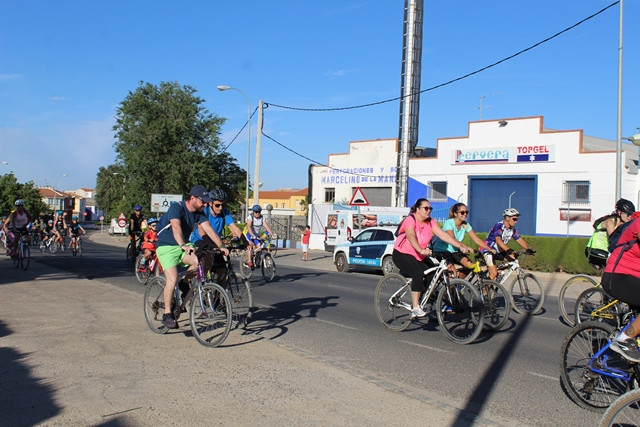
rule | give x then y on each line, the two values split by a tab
627	348
169	321
417	312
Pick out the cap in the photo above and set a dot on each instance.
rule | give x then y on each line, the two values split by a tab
202	193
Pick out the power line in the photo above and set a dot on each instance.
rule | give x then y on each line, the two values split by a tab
457	78
240	131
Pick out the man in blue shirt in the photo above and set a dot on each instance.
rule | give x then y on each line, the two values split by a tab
174	230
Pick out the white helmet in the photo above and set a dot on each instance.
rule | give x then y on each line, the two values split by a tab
511	212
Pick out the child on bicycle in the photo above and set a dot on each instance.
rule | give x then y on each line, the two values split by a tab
499	236
150	238
75	230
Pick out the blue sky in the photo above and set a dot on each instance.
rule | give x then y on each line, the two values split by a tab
66	65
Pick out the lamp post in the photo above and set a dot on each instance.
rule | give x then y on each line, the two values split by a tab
619	127
246	196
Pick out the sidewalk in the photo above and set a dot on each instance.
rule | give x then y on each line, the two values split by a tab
78	352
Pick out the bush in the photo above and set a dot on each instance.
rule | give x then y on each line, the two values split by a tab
565	254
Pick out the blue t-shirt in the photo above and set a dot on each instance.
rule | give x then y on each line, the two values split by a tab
505	234
217	223
188	221
441	246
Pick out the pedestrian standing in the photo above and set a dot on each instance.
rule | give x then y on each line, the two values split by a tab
305	243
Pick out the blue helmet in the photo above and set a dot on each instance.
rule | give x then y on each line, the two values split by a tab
137	208
152	220
256	208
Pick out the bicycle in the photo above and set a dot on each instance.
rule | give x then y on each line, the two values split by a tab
262	258
596	304
592	375
575	285
458	305
150	267
239	290
208	304
51	242
134	247
528	297
22	255
75	245
496	300
624	411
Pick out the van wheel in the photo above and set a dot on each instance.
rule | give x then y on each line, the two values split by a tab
341	263
388	266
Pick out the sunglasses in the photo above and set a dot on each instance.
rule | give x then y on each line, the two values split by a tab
514	218
427	208
463	212
217	205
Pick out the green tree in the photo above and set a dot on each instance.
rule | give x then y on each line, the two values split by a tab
11	190
167	142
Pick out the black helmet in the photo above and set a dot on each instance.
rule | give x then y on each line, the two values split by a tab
624	205
218	194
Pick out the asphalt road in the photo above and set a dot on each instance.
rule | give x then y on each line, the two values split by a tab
508	377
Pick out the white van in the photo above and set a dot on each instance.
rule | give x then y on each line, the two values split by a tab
340	225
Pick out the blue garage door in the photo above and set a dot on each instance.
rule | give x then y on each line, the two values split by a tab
489	196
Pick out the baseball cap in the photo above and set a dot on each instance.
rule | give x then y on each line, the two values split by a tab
201	192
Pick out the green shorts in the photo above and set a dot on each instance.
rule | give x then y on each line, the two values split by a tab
170	256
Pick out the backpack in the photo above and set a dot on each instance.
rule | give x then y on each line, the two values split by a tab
397	233
597	250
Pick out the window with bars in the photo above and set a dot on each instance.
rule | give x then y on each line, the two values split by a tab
329	195
576	192
438	190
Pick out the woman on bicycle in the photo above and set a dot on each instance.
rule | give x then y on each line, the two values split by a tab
255	223
499	236
60	225
621	279
457	227
410	250
17	220
150	238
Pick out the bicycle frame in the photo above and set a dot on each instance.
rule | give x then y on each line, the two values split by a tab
610	372
440	269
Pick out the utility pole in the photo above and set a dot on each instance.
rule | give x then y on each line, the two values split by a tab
256	169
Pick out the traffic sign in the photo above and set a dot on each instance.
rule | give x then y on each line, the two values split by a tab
122	220
161	202
358	198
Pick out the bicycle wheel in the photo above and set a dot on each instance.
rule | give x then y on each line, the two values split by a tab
25	256
43	246
273	249
392	302
131	257
268	267
241	297
593	299
210	315
245	270
141	271
74	248
526	294
624	411
460	311
588	389
154	305
574	286
54	246
497	304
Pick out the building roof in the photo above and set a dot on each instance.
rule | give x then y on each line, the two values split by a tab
52	193
284	193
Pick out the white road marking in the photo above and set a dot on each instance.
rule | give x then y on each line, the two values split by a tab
428	347
336	324
548	377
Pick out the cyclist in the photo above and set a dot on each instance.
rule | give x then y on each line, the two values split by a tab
75	230
17	221
218	217
150	238
457	226
599	242
499	236
410	250
255	223
135	223
621	279
175	228
48	232
60	225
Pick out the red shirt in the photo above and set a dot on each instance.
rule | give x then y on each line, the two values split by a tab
305	237
630	261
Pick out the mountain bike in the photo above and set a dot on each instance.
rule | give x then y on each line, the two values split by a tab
22	256
261	259
150	268
592	374
208	304
575	285
526	292
457	303
624	411
496	299
134	247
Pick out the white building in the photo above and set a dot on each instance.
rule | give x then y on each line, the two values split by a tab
559	180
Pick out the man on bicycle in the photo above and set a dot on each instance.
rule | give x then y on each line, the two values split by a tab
499	236
175	228
17	220
218	217
255	223
135	223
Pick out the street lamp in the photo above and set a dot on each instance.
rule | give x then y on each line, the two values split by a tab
246	196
